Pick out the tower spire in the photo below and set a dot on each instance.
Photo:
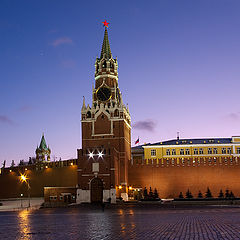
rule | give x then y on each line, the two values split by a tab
106	51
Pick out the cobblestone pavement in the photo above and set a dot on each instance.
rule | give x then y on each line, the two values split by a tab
122	223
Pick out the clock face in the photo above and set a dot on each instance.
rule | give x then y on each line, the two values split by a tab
104	94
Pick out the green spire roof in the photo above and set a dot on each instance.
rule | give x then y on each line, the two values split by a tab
43	144
106	46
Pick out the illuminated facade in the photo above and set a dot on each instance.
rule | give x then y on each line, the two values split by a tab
194	151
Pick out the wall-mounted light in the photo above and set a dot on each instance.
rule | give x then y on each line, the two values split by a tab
90	155
130	188
120	187
100	155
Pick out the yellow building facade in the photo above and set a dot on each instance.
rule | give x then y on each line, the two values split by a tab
193	151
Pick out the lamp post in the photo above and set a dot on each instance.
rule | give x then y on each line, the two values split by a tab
21	199
23	178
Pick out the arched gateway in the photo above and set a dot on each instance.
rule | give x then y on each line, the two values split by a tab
96	190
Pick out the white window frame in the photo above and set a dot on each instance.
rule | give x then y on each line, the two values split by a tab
153	152
168	152
174	151
182	151
209	150
238	150
224	150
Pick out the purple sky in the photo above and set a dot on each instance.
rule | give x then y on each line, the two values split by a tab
178	69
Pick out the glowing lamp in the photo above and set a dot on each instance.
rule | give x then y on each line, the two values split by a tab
10	170
46	167
91	155
23	178
71	164
130	188
120	187
25	169
100	154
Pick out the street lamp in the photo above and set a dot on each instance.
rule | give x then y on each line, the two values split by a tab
21	199
23	178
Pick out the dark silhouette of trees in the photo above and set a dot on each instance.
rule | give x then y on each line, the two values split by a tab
155	194
208	193
200	194
189	194
221	195
181	195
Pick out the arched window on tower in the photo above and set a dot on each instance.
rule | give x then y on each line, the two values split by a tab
104	64
88	114
112	65
116	113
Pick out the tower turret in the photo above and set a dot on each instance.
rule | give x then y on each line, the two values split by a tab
43	151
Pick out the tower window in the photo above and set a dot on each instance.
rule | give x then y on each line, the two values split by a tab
215	151
200	150
104	64
116	113
173	151
88	114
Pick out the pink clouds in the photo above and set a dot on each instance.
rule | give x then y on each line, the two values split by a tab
62	40
5	119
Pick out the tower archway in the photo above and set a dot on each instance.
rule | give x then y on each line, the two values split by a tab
96	190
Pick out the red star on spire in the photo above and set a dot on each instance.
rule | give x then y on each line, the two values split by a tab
105	23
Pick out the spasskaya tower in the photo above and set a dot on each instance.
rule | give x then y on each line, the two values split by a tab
106	135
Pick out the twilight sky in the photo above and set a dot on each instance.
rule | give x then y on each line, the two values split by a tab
178	69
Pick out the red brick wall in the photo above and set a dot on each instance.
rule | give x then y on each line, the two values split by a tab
172	180
11	187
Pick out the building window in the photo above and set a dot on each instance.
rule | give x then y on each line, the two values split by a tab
53	198
181	151
209	150
223	150
187	151
167	161
195	151
61	197
173	161
200	150
229	150
215	151
168	151
174	151
238	150
153	152
183	161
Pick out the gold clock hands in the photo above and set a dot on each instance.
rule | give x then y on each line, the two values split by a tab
104	94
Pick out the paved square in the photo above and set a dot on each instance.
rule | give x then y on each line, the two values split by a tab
123	222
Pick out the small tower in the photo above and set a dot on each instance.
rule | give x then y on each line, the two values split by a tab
43	151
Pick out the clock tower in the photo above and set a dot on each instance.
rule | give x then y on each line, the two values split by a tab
106	135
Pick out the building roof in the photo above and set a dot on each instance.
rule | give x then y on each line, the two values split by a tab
106	47
188	141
